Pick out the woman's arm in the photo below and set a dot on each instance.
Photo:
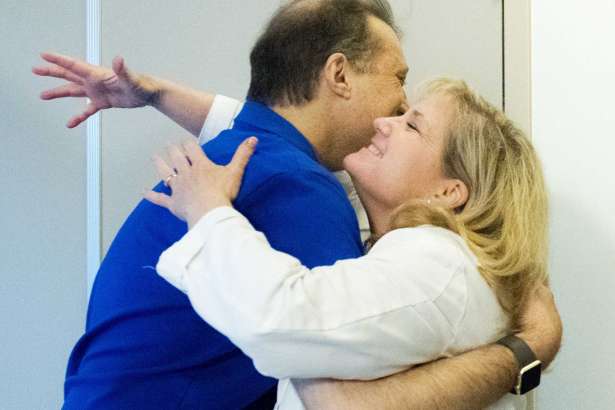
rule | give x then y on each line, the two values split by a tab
358	319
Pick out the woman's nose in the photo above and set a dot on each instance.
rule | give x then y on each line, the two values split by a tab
383	126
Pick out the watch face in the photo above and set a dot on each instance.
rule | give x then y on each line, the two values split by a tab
530	377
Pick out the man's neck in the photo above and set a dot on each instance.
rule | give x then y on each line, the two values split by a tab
314	122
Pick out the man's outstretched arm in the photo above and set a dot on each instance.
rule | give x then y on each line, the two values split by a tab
472	380
119	87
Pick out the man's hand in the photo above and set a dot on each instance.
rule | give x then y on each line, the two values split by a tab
106	88
541	325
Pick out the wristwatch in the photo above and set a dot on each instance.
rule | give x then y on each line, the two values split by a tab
529	366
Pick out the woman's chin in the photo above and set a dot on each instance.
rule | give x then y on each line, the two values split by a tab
356	161
358	167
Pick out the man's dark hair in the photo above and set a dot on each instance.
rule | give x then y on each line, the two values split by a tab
289	56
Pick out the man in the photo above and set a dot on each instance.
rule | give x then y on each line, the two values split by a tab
314	93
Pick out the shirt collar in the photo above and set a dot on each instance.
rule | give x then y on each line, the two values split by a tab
260	117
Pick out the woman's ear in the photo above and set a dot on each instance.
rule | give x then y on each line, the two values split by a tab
336	76
453	194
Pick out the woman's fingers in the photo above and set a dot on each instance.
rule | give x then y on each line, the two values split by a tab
57	72
194	152
178	158
165	172
242	156
78	67
158	198
66	90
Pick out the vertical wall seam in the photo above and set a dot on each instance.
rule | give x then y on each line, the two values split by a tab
504	55
94	154
528	4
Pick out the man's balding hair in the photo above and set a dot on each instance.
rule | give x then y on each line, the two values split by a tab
290	54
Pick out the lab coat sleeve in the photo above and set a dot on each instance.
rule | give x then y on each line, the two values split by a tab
362	318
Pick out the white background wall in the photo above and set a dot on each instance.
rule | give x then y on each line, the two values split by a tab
573	127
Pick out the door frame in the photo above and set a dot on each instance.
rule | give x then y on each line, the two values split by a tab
517	62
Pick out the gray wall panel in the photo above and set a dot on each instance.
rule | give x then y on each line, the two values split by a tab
42	207
461	38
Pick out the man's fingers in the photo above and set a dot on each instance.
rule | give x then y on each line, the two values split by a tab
76	120
78	67
242	155
158	198
57	72
90	110
66	90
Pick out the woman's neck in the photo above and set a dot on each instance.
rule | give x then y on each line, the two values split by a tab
379	216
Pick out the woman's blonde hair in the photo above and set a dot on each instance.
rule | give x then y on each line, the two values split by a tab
504	221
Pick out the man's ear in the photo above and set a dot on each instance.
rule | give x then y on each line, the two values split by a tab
453	194
336	75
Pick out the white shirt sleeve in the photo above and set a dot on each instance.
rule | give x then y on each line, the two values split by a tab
363	318
220	117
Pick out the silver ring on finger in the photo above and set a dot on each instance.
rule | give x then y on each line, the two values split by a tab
169	178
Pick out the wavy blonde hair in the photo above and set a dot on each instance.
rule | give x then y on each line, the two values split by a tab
504	221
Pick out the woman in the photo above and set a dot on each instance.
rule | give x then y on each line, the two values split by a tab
457	206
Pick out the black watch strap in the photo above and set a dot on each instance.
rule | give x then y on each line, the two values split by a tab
529	366
520	349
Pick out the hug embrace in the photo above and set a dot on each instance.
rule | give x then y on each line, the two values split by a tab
266	288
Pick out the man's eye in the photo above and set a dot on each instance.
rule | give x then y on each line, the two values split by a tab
412	126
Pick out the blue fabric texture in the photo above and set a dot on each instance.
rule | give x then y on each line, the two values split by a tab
144	347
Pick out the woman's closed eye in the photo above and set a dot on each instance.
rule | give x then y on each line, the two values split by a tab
412	126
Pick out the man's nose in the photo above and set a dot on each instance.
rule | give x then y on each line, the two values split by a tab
405	106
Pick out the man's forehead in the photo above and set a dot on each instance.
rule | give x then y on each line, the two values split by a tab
393	60
391	52
398	58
